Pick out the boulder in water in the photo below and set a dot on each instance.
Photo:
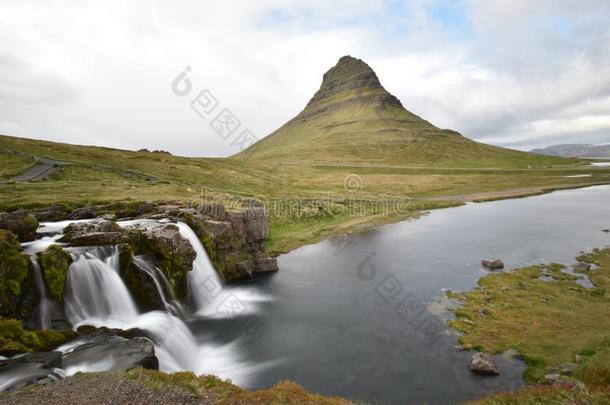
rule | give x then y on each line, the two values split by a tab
493	264
483	364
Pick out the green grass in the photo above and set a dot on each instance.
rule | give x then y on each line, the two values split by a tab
91	175
547	322
539	395
13	164
225	392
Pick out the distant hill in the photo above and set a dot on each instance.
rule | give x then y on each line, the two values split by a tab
353	119
575	150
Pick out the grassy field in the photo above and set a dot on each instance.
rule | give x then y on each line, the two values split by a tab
325	199
548	322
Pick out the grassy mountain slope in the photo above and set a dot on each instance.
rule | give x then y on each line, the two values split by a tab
353	119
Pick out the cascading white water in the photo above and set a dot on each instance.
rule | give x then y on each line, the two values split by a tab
161	283
211	297
96	295
44	306
96	291
203	280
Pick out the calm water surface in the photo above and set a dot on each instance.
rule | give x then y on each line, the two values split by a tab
333	324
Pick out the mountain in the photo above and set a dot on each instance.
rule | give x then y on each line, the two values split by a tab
575	150
352	118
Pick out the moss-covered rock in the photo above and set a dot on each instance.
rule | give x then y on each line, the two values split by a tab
174	254
54	263
15	339
14	271
141	286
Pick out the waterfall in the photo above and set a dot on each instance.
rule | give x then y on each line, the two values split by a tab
95	291
44	306
203	280
207	290
95	294
161	283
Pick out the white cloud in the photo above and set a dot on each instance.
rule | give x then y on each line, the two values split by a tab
100	72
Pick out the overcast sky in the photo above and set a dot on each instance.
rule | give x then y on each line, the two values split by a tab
518	73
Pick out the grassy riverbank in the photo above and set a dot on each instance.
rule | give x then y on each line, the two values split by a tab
546	316
539	395
324	199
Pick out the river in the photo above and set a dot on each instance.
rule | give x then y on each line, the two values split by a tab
354	316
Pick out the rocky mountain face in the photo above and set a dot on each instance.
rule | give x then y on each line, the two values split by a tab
352	77
352	118
575	150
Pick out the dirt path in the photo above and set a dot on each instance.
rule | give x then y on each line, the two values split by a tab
43	169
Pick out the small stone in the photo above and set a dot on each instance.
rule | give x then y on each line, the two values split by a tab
568	368
483	364
552	377
581	267
493	264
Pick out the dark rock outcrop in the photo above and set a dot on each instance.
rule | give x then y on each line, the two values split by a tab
55	212
116	352
20	223
234	240
483	364
95	234
174	254
493	264
350	74
581	267
114	349
140	284
89	212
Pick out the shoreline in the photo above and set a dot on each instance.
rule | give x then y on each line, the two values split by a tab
460	200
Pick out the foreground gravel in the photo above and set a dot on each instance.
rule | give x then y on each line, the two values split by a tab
100	389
